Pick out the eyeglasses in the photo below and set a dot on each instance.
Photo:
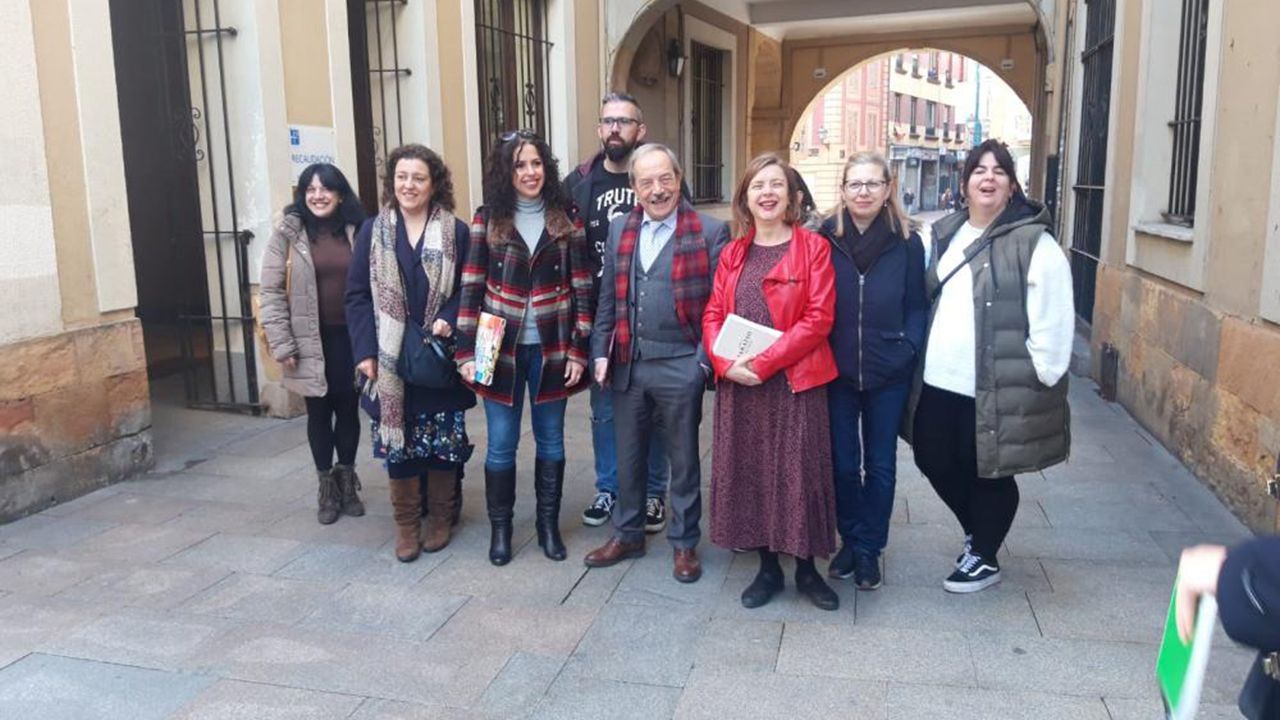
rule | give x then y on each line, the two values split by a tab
522	134
858	186
621	122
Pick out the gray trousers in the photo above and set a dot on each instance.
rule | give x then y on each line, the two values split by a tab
663	396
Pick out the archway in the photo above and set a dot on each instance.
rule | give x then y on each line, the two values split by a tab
922	109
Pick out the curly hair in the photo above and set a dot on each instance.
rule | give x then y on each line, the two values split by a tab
499	174
441	178
350	211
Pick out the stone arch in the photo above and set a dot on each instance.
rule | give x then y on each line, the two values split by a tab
798	105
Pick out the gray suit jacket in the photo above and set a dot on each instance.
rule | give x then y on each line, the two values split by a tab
716	233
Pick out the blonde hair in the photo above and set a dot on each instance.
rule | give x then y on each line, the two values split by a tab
742	217
892	211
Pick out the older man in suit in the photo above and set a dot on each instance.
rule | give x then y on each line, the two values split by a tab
647	341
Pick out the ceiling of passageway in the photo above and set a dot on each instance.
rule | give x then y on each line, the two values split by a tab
802	19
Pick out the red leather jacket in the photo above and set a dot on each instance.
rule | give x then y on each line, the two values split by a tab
801	294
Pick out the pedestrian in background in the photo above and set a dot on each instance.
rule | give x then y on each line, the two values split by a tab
646	346
528	265
771	460
990	397
304	276
601	192
881	311
407	269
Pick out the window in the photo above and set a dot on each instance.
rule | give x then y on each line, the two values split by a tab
933	67
899	114
512	58
900	63
376	76
915	64
1186	118
707	122
930	118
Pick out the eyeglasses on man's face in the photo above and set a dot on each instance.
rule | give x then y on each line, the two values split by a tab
858	186
620	122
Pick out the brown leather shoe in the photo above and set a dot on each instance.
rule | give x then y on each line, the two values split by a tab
440	490
613	552
687	567
406	506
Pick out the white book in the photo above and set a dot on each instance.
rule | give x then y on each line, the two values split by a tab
739	336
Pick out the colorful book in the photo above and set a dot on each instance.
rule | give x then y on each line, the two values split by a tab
740	336
489	332
1180	667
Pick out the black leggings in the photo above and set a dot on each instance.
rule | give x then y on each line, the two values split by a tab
333	421
945	447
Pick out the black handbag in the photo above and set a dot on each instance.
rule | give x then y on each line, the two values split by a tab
426	360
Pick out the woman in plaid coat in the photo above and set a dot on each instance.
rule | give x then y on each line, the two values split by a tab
528	265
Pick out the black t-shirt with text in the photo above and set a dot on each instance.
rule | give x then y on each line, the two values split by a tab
611	196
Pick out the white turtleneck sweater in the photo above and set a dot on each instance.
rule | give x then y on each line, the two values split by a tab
530	220
950	363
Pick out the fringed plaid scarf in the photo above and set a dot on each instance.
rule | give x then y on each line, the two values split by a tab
690	275
391	308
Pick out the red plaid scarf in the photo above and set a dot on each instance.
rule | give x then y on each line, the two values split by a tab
690	275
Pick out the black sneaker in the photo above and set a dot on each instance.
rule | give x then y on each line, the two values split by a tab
598	512
968	548
866	571
841	566
655	515
974	574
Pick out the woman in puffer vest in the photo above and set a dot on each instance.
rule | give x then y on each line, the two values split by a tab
990	396
304	276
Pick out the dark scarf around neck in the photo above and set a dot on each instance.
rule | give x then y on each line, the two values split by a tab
867	247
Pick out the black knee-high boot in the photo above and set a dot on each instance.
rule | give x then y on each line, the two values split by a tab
500	499
548	485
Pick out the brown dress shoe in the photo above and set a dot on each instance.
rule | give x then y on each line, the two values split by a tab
687	567
613	552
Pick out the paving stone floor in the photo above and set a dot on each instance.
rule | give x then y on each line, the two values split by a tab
207	590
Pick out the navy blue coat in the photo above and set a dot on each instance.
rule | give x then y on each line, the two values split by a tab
364	336
881	316
1249	605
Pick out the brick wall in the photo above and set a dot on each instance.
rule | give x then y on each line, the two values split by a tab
75	414
1202	382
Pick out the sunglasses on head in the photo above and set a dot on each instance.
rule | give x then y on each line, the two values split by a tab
521	134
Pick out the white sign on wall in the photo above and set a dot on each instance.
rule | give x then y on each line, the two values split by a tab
310	144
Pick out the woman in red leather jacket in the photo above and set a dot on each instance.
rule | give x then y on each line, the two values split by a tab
771	460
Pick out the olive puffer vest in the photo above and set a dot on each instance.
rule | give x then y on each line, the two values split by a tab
1022	425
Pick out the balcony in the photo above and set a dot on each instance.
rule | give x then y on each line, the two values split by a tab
931	133
933	76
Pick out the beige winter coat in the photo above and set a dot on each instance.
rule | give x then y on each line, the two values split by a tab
292	319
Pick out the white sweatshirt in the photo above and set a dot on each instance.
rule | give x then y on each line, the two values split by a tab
951	357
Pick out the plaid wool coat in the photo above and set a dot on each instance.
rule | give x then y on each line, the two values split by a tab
499	276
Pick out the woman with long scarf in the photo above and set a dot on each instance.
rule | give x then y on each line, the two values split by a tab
407	268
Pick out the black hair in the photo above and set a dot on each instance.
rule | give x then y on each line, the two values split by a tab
349	212
1003	158
499	184
441	178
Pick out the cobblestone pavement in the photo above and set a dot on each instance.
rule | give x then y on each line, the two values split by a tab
207	590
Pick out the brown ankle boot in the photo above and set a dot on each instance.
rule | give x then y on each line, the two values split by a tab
440	491
406	509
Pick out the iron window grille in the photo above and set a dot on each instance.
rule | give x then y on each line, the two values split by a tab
1091	168
1185	126
376	76
708	121
513	56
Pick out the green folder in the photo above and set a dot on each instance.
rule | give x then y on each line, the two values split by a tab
1180	666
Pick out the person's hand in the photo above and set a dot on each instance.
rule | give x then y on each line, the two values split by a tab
369	368
601	370
1197	575
441	328
573	371
741	373
290	363
468	371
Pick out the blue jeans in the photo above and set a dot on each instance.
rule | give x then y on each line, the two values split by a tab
606	448
503	422
865	481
